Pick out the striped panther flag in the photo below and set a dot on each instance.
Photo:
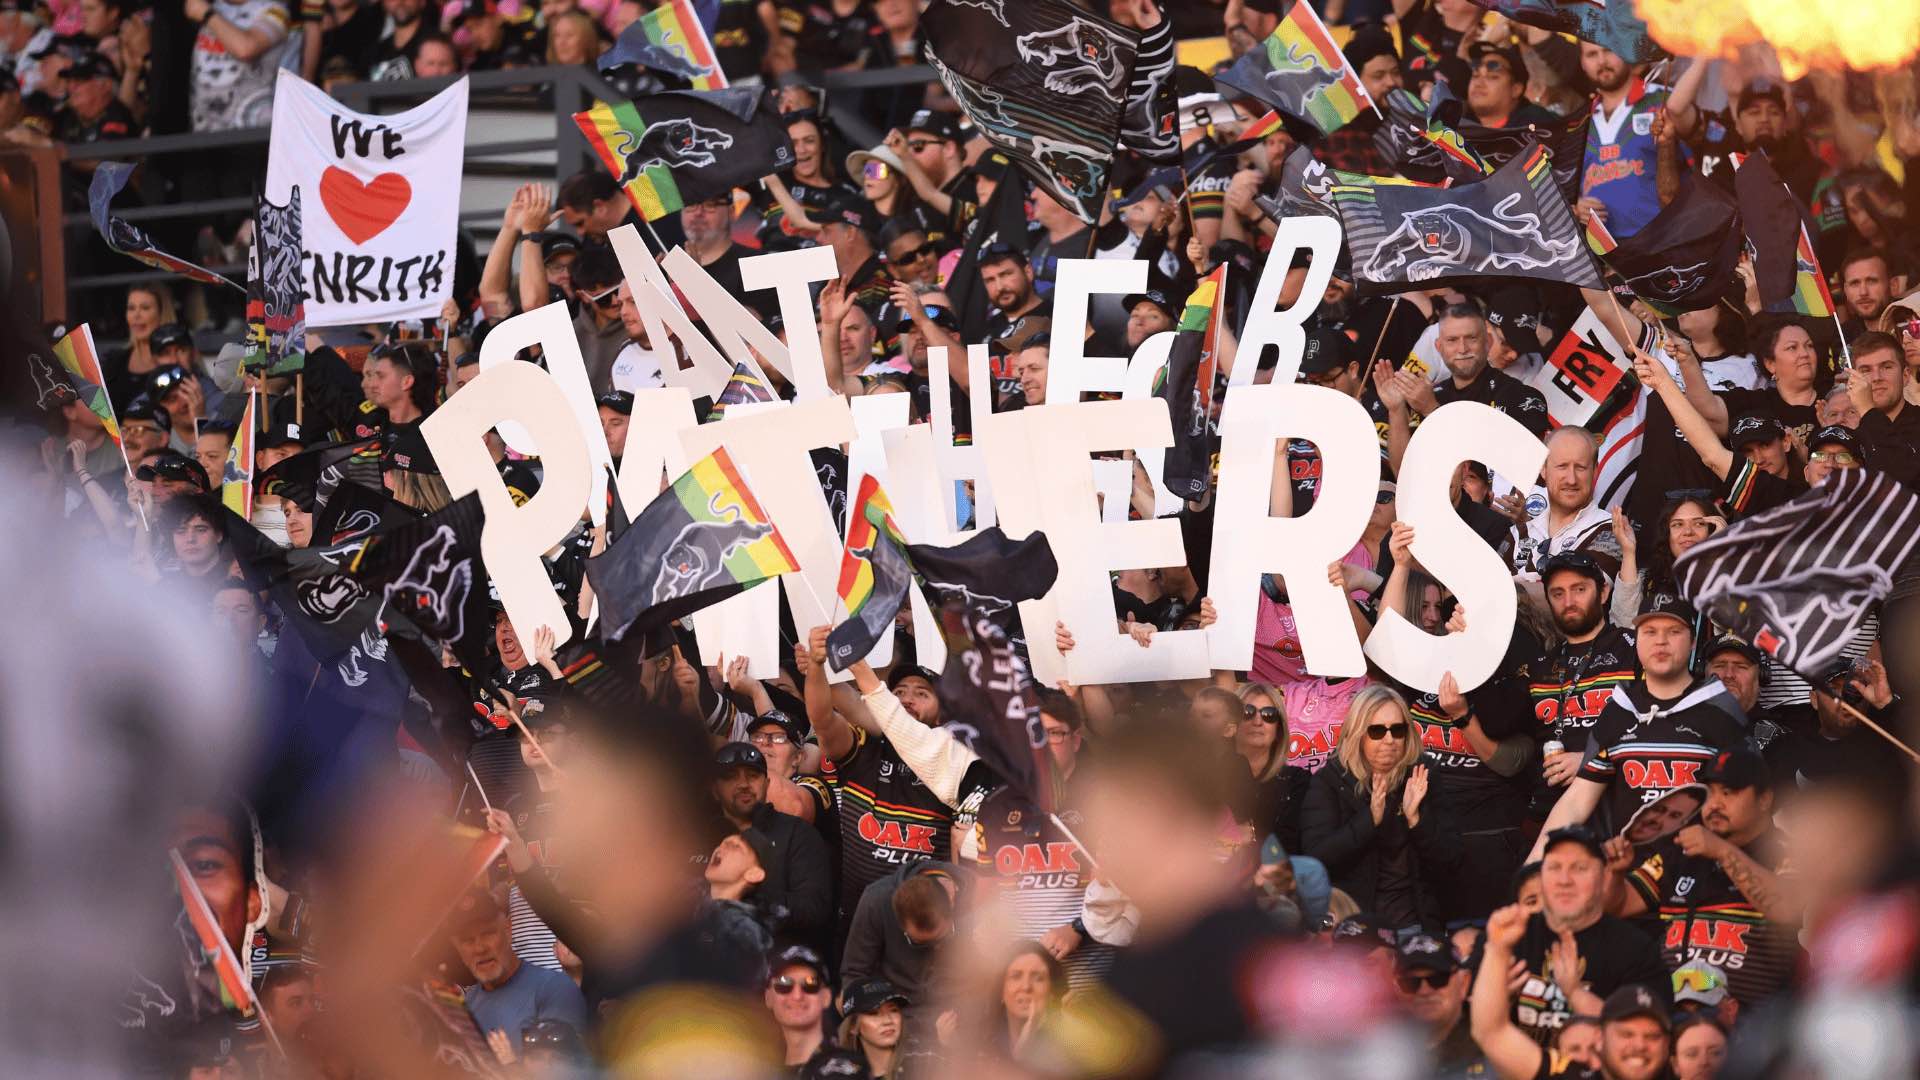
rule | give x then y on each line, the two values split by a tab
1798	580
1044	81
1512	224
685	146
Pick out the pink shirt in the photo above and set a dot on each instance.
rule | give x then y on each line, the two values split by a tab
1315	711
1277	658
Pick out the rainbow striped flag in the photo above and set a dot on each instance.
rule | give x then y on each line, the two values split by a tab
1300	71
701	540
1599	239
685	146
1262	127
236	993
84	378
1448	142
744	385
669	38
1810	293
874	576
236	480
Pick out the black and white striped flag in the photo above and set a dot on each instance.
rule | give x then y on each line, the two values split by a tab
1798	580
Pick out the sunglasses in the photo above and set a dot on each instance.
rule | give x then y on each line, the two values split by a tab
770	738
1382	498
1411	984
787	984
914	254
1376	732
1839	459
917	145
876	170
1492	67
738	757
1265	713
1696	980
605	298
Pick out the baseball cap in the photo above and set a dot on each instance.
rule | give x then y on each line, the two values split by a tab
1157	297
1513	307
284	433
173	465
1835	435
1507	51
852	211
999	250
1362	929
1730	643
1577	561
91	65
940	125
1424	952
556	243
764	849
792	728
170	334
1326	350
1634	1000
164	378
868	995
620	401
1755	428
740	755
1669	607
1576	834
475	907
1161	182
798	955
992	165
1760	90
406	449
903	672
1739	769
1696	982
144	407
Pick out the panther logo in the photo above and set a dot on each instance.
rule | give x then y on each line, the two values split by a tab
278	276
699	552
328	596
1805	613
1294	61
1670	282
671	144
1440	240
995	8
1095	60
50	387
983	103
1074	168
432	590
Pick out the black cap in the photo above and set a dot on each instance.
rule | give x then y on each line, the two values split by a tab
1739	768
406	449
796	732
1165	183
1760	90
1363	929
1423	952
1635	1000
1668	607
1514	307
620	401
1755	428
798	955
284	433
91	65
740	755
173	465
1000	249
1367	43
942	125
1326	350
764	849
903	672
1577	561
550	1034
868	995
556	243
164	378
1157	297
476	906
1730	643
992	165
145	407
851	210
169	334
1835	435
1576	834
836	1063
1508	51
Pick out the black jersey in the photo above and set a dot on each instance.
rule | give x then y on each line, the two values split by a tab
1707	918
888	817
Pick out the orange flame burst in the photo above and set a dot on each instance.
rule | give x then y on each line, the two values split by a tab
1807	34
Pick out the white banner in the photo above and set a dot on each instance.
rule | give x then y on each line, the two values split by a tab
381	211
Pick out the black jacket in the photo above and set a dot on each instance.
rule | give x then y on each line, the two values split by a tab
798	891
1336	827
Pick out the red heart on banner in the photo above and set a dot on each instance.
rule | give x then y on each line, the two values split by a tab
363	211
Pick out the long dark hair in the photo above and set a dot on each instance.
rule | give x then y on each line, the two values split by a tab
999	1027
1659	568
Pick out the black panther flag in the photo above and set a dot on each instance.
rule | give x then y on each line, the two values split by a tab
1798	580
309	477
988	572
1565	140
429	572
1044	81
1188	389
1152	125
1688	256
1771	216
988	702
684	147
1512	224
314	587
1422	141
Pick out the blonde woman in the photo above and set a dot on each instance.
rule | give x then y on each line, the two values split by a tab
1261	738
1367	816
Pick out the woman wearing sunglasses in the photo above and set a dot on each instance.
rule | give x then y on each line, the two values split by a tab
883	184
1368	819
1261	738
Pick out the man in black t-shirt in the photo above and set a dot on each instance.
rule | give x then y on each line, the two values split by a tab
1760	120
1716	884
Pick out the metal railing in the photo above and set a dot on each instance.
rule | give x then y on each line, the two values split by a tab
564	90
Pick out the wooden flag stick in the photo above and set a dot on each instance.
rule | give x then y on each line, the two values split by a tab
1882	732
300	397
1374	355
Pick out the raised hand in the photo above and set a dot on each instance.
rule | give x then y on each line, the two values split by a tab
1871	680
1385	387
817	644
1506	926
1452	701
1619	853
737	678
1414	795
1208	613
1623	533
536	209
1457	622
835	304
1400	544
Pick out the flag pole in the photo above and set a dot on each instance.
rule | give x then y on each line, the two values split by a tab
1878	730
1845	352
1077	842
1374	355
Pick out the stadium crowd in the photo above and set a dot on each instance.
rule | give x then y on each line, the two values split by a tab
1642	849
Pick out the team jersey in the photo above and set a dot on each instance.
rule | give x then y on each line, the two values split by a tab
1573	684
1644	747
1707	918
1619	167
1475	796
888	817
1315	710
1613	953
1039	875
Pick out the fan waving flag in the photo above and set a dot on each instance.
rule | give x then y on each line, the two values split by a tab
743	385
1810	295
1423	144
1613	26
1512	224
697	543
430	572
874	576
310	476
1688	256
1152	127
1299	71
669	38
1044	81
1190	375
985	693
276	297
685	146
236	479
109	177
987	571
1798	580
82	377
